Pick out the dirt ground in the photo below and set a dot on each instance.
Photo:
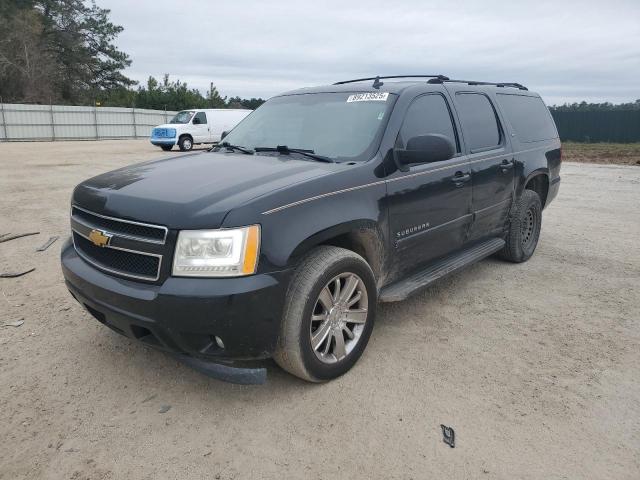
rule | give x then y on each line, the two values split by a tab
603	153
536	366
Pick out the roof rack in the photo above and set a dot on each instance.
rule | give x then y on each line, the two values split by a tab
475	82
442	77
432	79
377	83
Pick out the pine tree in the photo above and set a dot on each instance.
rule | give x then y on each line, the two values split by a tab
214	100
58	49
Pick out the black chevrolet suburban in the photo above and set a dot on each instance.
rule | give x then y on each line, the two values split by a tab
281	240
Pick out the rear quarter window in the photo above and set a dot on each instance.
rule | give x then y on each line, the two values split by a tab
529	117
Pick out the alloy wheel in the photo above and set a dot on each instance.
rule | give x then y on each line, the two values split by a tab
338	317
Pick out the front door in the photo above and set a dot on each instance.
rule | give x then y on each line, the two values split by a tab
430	205
491	160
200	128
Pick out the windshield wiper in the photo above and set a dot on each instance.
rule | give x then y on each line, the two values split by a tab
286	150
228	146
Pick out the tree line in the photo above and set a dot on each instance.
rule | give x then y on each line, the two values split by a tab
63	52
170	94
596	107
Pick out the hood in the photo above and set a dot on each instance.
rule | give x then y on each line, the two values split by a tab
191	191
172	125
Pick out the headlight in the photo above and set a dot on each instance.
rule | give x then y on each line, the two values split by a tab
217	253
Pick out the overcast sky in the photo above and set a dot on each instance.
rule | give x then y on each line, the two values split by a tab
566	50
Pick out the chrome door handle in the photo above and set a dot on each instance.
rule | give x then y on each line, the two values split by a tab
460	178
506	165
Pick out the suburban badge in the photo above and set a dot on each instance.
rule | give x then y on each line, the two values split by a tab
411	230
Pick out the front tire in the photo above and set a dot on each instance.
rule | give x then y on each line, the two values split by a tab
185	143
328	316
524	228
166	148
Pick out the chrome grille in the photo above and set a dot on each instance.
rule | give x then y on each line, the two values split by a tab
133	249
126	228
118	261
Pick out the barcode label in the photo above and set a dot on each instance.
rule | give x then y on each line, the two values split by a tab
368	97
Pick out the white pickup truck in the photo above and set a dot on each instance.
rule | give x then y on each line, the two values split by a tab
190	127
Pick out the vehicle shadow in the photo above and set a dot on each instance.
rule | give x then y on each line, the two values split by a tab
172	376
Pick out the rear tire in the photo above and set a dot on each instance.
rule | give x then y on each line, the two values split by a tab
166	148
524	228
185	143
328	316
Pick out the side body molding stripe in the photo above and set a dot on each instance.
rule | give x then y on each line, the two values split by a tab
351	189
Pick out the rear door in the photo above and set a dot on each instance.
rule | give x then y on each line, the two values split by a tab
200	128
430	205
490	159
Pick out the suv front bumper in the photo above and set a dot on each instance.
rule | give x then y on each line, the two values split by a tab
184	315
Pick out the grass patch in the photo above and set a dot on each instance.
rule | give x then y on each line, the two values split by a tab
619	153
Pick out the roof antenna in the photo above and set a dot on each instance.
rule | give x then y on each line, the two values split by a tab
377	83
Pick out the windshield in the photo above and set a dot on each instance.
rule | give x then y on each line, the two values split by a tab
182	117
342	126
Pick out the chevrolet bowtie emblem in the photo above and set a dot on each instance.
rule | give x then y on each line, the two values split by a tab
99	238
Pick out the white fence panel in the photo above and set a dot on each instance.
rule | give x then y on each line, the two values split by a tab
72	132
68	122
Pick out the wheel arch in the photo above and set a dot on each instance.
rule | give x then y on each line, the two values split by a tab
538	181
361	236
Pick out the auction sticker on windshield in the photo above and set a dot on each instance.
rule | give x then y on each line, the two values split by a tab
368	97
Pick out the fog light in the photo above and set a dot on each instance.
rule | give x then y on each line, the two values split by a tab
219	341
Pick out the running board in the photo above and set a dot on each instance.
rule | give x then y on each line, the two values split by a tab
404	288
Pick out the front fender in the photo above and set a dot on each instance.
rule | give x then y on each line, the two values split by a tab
355	228
289	232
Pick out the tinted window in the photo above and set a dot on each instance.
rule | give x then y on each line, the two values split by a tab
427	114
344	126
529	117
200	118
479	122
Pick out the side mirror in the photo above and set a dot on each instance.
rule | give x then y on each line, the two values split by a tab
223	134
429	148
196	121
